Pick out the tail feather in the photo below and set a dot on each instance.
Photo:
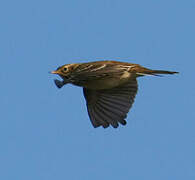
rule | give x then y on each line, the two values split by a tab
163	72
145	71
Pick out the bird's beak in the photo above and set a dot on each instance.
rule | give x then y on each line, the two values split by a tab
54	72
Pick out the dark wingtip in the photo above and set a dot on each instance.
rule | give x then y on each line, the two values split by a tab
123	122
105	125
115	126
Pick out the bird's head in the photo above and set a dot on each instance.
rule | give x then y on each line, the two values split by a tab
64	71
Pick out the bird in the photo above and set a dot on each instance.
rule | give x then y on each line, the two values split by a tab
109	87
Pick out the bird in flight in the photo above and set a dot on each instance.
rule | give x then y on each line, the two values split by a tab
109	87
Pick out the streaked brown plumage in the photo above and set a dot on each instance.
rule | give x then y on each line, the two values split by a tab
109	87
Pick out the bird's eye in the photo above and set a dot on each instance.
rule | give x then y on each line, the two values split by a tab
65	69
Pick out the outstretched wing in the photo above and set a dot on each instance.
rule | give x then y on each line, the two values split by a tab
110	106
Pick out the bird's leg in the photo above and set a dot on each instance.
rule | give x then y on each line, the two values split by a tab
59	83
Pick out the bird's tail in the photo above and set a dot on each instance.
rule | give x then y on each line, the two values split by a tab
144	71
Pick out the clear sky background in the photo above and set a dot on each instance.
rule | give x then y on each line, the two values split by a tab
45	133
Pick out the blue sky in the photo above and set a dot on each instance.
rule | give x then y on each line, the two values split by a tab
45	133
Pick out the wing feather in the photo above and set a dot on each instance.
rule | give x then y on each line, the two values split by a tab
110	106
